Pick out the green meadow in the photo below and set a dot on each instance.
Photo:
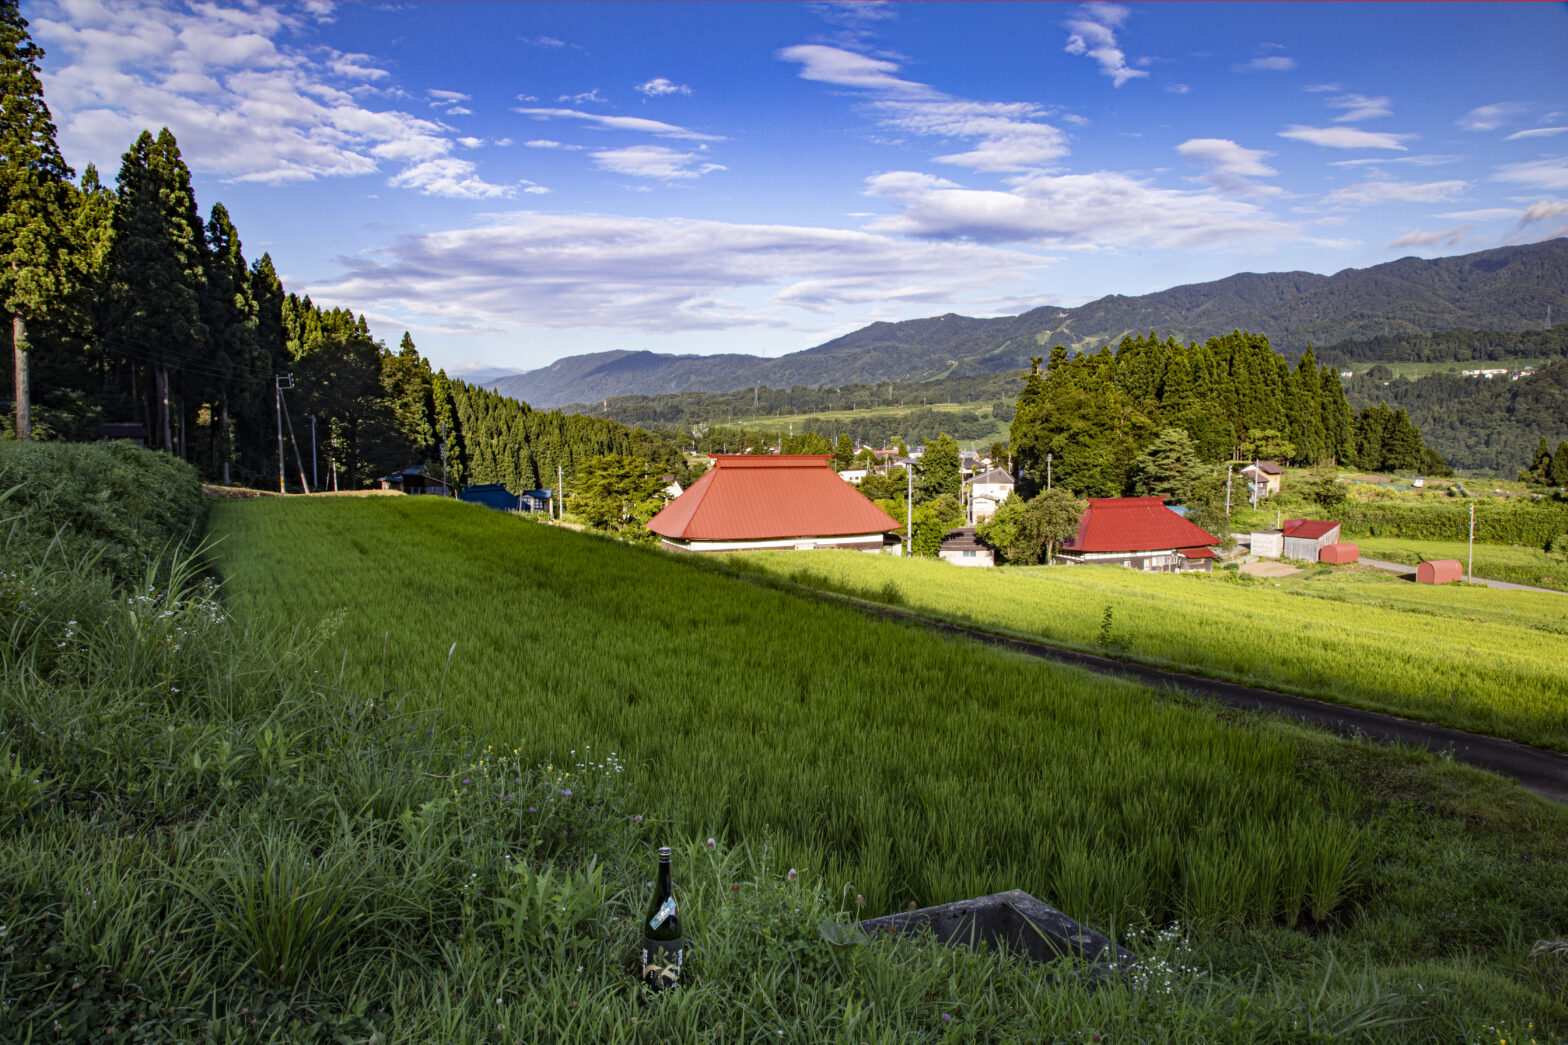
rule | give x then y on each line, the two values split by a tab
1463	656
1498	562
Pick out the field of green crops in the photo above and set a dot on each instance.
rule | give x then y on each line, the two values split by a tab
908	767
1467	657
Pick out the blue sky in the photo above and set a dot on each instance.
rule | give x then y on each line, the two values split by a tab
514	183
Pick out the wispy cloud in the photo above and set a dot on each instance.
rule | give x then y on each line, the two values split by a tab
1553	212
1447	237
1007	136
1092	32
654	161
659	86
1359	107
1549	172
1491	117
1103	209
1270	63
1230	167
1346	137
1370	193
592	97
635	124
246	102
1536	132
599	272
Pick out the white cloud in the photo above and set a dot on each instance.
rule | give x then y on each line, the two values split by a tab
654	161
1491	117
1535	132
1178	88
660	86
1103	209
1360	107
547	143
1550	172
447	97
586	96
470	143
599	272
1273	63
1370	193
1092	32
458	110
1424	160
1482	214
548	42
1230	166
1543	211
621	123
244	100
1007	136
1447	237
1346	137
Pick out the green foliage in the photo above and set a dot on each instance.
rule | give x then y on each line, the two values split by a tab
1168	468
1516	521
618	494
1028	532
938	473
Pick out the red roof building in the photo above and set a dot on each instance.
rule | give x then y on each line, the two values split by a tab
750	501
1139	533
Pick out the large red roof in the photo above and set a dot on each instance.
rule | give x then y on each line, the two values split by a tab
1135	524
764	497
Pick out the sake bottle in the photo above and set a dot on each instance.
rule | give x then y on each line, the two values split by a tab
663	948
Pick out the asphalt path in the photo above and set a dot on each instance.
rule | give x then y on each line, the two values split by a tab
1405	570
1538	770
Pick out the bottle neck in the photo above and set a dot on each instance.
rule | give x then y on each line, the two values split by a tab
662	885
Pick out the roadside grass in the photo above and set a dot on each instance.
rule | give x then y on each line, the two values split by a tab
1467	657
1497	562
1462	875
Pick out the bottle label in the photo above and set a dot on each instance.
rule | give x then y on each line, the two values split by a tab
666	910
661	962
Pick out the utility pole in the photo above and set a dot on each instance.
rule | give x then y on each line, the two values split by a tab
1470	573
315	473
443	454
1228	465
909	508
560	495
277	394
1048	471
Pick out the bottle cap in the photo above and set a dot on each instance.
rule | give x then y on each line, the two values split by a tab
664	852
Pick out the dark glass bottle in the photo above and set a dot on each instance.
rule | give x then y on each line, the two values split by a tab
663	947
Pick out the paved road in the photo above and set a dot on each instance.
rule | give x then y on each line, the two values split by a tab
1538	770
1404	570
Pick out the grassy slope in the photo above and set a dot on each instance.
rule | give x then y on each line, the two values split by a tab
1468	871
1498	562
1472	658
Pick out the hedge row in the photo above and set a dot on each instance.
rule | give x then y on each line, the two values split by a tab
1532	523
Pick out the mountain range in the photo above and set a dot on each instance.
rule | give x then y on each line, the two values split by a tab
1508	288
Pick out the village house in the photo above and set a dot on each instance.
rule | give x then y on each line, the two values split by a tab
963	547
416	481
987	491
748	501
1140	533
1263	478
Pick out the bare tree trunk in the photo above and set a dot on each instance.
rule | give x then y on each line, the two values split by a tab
24	409
225	439
161	381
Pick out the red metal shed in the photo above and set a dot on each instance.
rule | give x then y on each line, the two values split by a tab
1341	553
1439	571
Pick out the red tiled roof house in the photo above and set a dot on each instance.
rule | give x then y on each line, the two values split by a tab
751	501
1139	533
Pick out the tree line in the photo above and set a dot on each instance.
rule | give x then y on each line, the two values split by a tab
1459	345
125	304
1084	421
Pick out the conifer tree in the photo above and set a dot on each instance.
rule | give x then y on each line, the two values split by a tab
938	474
1541	465
157	268
229	310
1557	471
33	200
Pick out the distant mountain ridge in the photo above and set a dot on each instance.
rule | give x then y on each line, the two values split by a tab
1508	288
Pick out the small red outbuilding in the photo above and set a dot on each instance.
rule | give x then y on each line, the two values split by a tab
1340	553
1439	571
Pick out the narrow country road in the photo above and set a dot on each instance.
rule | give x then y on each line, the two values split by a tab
1538	770
1405	571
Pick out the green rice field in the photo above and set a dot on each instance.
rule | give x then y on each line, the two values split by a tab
904	766
1468	657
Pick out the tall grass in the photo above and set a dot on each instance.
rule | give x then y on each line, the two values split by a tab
1471	658
920	769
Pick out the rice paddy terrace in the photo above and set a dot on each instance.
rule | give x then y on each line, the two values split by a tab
908	767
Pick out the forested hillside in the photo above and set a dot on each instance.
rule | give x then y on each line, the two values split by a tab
1488	426
1506	289
1459	345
